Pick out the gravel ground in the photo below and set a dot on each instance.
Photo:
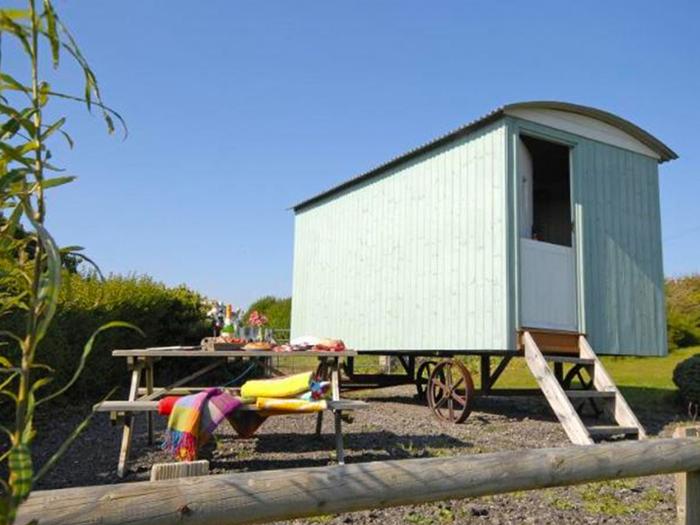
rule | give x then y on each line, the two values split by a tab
396	427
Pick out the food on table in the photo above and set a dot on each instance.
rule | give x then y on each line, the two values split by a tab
304	342
258	345
232	340
330	345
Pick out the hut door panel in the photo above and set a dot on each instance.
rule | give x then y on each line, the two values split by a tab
547	261
547	286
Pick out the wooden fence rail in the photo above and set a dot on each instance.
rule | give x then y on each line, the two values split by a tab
258	497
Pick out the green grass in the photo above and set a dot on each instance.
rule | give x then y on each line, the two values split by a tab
647	380
602	498
639	372
642	380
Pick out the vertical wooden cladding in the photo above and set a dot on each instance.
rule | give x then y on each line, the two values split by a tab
412	259
618	194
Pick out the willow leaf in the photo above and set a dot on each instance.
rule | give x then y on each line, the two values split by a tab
8	380
107	111
56	181
13	154
9	394
11	335
68	138
10	226
51	282
28	147
9	82
72	249
24	119
22	116
44	91
9	129
94	265
42	366
50	130
16	14
19	31
43	381
52	31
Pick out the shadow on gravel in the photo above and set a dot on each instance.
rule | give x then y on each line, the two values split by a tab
656	408
382	440
374	446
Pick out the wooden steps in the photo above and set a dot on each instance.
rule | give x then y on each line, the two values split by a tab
589	394
597	387
570	360
603	431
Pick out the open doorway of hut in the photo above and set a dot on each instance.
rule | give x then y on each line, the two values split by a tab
545	211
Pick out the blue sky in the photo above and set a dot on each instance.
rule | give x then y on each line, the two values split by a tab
237	110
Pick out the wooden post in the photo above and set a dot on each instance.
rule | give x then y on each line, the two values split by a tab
485	371
275	495
688	486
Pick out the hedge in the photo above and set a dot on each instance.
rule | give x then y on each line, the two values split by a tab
686	376
683	310
166	315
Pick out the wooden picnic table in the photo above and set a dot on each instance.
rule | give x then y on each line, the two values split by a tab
144	395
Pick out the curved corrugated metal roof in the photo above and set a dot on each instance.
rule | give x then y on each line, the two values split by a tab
664	152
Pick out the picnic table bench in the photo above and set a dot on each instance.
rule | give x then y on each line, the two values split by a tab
144	395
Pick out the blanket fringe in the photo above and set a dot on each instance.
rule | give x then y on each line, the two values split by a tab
182	445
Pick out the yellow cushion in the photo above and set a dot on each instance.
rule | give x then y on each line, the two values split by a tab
279	387
290	405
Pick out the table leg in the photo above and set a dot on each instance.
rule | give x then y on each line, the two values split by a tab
128	433
319	423
149	391
337	414
321	373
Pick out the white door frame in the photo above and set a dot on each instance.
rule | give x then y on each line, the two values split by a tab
556	137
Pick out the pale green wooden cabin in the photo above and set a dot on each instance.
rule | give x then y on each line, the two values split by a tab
540	215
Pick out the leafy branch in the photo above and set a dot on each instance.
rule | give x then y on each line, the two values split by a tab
30	259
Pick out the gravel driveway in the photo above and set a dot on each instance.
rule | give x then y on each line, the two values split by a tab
396	427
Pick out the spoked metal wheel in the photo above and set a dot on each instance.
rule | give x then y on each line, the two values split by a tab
450	391
423	378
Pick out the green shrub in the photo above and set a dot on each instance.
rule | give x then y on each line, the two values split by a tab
167	316
683	311
686	376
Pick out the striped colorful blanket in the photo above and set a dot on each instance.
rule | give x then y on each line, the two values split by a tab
193	420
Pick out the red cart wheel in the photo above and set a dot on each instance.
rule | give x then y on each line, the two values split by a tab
451	391
423	378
